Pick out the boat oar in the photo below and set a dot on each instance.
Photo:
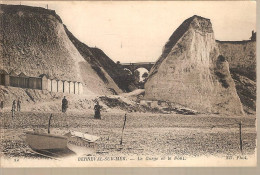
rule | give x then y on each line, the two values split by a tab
49	124
121	142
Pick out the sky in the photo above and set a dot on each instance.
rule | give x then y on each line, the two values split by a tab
137	31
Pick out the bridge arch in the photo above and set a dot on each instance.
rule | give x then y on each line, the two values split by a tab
142	71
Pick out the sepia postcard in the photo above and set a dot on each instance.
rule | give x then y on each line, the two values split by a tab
128	84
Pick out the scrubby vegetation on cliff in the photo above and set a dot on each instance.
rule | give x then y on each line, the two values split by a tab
97	58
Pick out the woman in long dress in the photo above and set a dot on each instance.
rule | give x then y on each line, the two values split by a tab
97	108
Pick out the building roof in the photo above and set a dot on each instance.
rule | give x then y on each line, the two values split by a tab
22	75
13	73
44	75
3	71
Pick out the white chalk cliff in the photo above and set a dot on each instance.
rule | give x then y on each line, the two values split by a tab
192	73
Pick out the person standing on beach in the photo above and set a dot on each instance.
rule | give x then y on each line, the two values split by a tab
13	108
18	105
2	105
97	108
64	104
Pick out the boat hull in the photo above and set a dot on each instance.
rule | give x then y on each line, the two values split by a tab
61	145
81	146
42	141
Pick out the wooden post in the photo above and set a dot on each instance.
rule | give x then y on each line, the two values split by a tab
49	124
13	112
121	142
240	137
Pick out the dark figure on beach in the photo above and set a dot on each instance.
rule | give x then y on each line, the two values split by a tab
13	108
2	105
64	104
18	105
97	108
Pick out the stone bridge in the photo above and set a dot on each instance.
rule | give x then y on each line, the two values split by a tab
133	66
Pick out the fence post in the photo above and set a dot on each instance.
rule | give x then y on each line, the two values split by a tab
49	125
240	136
121	142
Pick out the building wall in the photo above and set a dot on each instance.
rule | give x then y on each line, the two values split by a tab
76	88
49	88
60	86
66	87
23	82
54	86
2	79
42	83
14	81
38	83
7	80
71	85
32	83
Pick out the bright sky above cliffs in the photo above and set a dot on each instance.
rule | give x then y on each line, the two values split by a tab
137	31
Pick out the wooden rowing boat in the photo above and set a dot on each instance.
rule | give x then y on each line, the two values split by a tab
53	145
48	144
45	141
62	145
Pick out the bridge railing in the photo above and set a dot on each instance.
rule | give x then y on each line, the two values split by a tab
138	63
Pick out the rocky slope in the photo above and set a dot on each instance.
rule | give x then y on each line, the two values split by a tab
241	56
34	41
98	59
191	72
